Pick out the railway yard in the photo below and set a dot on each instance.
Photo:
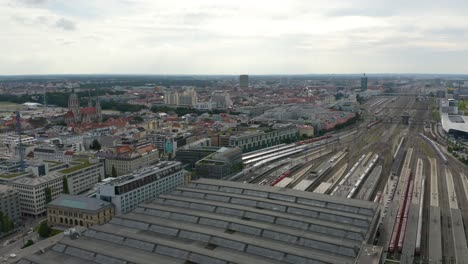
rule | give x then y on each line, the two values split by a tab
422	190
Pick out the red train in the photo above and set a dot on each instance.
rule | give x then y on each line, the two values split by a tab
404	223
398	235
312	140
374	123
282	176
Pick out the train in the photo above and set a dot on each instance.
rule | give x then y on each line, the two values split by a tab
312	140
376	122
281	177
399	228
439	152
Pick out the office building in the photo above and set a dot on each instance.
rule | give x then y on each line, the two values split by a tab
9	203
244	81
223	163
221	100
212	221
74	210
188	97
171	98
81	176
32	192
127	158
128	191
364	83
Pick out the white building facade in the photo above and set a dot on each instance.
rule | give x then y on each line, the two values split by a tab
128	191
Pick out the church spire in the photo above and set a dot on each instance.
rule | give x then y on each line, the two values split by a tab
90	103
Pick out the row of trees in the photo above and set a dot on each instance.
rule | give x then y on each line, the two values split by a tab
180	111
6	224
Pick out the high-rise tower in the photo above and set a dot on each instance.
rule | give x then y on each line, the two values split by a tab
364	83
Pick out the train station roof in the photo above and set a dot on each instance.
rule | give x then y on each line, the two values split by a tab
214	221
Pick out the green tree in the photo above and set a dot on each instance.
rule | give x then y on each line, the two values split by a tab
44	230
48	195
6	224
28	243
95	145
65	186
114	172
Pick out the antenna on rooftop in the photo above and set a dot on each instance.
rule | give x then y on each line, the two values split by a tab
45	104
20	144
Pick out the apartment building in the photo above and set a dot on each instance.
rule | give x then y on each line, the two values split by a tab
126	192
74	210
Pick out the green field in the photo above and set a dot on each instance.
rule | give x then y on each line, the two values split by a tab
9	107
463	106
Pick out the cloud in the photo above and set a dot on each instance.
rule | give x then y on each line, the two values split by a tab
344	12
33	2
65	24
212	36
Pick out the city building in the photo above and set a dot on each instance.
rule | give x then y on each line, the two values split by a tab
127	158
80	176
9	203
364	83
213	221
32	192
221	164
257	139
452	122
221	100
74	210
128	191
51	153
195	151
305	130
83	175
77	114
188	97
244	81
171	98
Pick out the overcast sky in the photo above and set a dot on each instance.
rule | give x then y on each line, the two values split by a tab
233	37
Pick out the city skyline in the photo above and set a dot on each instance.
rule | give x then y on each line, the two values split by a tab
208	37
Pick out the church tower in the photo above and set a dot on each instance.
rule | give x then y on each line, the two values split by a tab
74	105
98	107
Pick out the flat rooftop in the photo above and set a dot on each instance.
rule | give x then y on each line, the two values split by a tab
214	221
79	202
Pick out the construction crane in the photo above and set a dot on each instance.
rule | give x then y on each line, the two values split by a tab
20	144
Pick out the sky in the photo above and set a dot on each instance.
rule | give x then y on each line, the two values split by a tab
233	37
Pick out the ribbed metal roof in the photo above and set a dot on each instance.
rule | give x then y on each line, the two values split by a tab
213	221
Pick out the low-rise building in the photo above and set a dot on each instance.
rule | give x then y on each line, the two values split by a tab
126	192
74	210
221	164
9	203
127	158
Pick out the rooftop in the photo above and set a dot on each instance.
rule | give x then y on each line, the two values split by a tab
79	202
143	172
213	221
